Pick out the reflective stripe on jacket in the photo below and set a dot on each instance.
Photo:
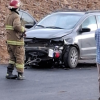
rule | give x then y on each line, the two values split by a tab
15	42
14	29
8	27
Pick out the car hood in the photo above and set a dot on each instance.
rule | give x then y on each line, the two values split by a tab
47	33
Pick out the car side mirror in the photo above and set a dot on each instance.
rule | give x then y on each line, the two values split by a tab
84	30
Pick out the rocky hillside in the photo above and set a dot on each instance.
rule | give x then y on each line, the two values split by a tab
40	8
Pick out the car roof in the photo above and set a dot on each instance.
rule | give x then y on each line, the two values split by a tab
71	11
77	13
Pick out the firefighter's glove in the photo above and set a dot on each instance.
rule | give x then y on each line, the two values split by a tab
24	35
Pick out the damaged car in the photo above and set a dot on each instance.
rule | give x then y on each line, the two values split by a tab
62	38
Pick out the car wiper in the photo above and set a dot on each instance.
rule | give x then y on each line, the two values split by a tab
54	27
40	25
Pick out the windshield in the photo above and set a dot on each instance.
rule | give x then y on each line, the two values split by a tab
61	20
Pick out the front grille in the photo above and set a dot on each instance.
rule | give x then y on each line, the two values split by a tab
42	43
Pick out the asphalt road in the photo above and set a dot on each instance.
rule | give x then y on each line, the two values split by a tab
80	83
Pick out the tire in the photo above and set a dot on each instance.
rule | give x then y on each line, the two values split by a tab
70	57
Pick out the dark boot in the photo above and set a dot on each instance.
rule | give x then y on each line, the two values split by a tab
10	69
20	76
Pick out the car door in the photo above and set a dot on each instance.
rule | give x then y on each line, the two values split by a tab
26	19
88	46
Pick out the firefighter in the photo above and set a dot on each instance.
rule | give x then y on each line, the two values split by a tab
15	41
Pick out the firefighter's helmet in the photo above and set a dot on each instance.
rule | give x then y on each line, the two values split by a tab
14	4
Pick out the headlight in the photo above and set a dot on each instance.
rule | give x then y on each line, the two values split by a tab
27	40
57	39
68	41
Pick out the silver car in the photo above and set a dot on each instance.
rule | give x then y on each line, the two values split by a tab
63	38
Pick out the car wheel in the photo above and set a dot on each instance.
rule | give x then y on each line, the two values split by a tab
70	57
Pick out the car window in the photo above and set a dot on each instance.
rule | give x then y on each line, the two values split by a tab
26	18
66	21
90	22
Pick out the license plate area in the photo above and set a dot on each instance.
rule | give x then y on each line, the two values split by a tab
51	53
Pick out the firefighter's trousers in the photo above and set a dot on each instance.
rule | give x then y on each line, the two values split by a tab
17	54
